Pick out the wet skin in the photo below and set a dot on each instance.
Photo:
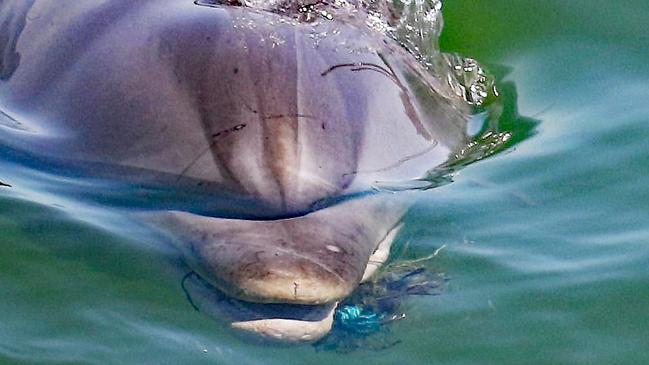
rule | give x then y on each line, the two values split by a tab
265	124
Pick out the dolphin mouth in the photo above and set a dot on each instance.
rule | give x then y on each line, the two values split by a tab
281	279
276	321
267	321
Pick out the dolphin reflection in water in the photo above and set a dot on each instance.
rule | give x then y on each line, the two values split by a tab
280	127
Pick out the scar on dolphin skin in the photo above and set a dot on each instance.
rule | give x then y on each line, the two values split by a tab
396	164
215	137
187	295
225	132
387	71
280	116
363	66
11	122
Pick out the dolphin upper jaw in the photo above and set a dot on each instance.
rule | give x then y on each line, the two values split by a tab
312	259
294	279
287	286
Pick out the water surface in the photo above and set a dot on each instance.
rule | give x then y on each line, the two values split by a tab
546	245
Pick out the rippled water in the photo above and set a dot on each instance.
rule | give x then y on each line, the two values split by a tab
545	246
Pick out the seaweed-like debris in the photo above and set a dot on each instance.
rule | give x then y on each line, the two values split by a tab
361	321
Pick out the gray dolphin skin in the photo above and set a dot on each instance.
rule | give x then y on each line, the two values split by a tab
279	130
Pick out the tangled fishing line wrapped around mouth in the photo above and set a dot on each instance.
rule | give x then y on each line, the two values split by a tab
362	319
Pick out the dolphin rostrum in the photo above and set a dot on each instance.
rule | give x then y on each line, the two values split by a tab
273	129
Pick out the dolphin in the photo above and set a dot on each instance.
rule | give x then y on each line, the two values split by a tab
272	131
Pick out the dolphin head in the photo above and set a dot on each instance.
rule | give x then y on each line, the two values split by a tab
298	118
304	129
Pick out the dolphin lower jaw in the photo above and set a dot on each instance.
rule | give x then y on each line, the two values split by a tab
291	330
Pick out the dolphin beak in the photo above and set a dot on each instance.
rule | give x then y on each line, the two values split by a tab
313	259
309	262
273	322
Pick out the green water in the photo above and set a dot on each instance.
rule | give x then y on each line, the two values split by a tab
546	246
